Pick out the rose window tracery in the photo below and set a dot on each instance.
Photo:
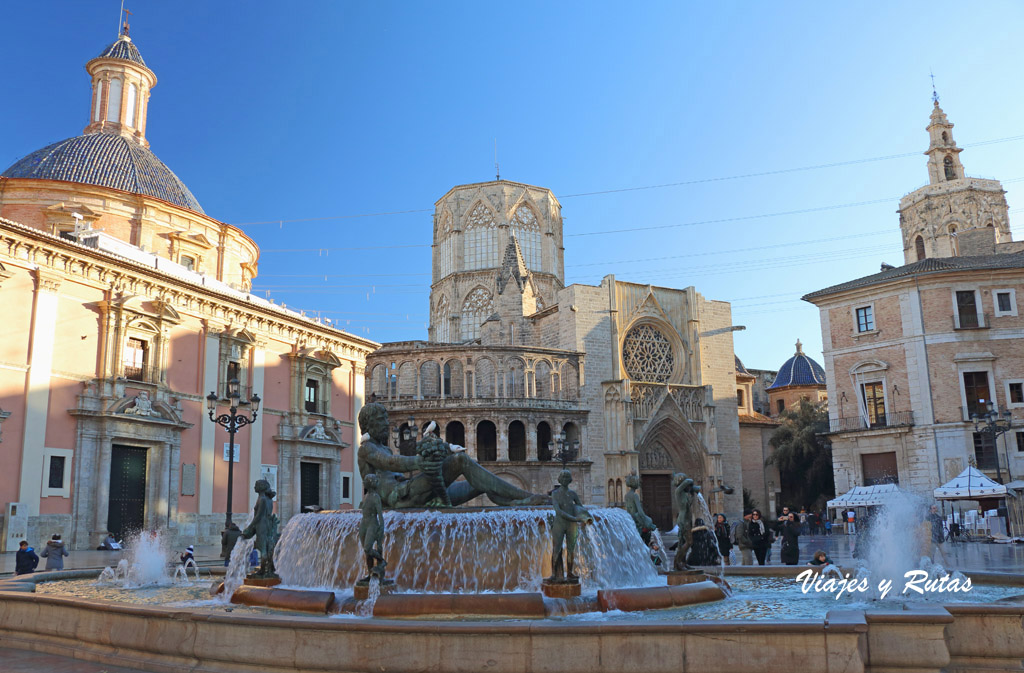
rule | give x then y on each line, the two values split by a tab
481	239
647	355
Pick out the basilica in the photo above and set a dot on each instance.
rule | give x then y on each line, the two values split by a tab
522	370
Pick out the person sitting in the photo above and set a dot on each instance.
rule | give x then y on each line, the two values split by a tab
820	559
109	543
26	560
189	557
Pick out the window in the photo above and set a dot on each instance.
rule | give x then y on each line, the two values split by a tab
947	164
1020	440
136	357
480	247
945	138
346	487
865	319
234	372
739	398
966	309
445	249
57	473
873	395
446	382
880	468
475	310
780	405
976	392
130	112
1015	393
98	101
188	262
919	248
114	101
1005	302
442	320
985	451
526	229
312	396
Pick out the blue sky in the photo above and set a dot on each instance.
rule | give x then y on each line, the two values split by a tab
274	111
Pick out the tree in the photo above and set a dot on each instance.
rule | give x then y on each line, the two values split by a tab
748	500
803	455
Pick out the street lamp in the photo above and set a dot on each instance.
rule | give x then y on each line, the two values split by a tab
567	451
994	423
232	422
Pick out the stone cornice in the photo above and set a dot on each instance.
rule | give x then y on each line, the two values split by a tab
56	258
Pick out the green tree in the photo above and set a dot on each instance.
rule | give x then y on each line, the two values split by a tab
803	455
748	500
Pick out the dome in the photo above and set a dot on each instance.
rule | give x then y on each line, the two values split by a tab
123	49
799	370
105	160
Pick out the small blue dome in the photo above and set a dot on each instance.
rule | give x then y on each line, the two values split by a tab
799	370
123	49
106	160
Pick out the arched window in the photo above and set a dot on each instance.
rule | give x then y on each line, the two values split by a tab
478	307
543	439
945	138
430	379
486	442
442	320
99	99
947	163
455	433
480	249
919	248
114	101
130	112
611	490
527	231
517	441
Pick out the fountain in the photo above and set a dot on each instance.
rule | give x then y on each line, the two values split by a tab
148	564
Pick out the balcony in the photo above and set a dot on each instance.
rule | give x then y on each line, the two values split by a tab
412	404
140	374
897	419
969	321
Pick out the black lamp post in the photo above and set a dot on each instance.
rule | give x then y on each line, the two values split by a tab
994	423
567	451
232	422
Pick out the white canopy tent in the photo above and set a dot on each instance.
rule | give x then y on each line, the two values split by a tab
970	484
865	496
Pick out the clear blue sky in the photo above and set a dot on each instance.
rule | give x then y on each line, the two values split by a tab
283	111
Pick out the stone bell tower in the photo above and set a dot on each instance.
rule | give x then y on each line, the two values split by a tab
933	217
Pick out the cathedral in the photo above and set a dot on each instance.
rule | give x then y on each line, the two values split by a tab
524	371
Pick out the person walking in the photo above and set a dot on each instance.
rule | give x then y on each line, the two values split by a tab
54	553
790	531
828	527
25	561
803	521
938	534
722	535
758	532
741	536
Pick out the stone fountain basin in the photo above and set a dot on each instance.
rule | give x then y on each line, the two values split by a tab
956	638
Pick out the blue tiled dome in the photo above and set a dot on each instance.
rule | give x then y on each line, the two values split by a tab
740	369
799	370
124	49
106	160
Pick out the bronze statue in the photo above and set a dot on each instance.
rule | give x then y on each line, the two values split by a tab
420	488
682	496
635	508
371	529
264	527
569	513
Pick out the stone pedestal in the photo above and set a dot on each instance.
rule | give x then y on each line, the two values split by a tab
262	581
560	588
677	577
361	591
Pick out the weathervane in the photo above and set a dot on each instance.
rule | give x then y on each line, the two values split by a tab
935	94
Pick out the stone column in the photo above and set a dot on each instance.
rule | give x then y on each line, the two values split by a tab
470	439
208	434
531	439
502	439
37	397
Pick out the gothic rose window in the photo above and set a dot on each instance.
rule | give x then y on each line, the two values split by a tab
477	308
480	250
527	232
647	355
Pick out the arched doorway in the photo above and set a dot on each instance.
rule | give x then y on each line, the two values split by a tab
486	442
669	445
543	439
517	441
455	433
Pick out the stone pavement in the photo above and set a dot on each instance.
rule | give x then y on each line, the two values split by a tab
23	661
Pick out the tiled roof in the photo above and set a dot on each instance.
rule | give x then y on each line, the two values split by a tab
928	266
106	160
740	369
799	370
124	49
756	417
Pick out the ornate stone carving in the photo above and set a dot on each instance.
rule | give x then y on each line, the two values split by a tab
647	355
478	306
654	457
143	406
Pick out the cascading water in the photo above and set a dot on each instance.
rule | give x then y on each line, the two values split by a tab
502	550
238	563
147	564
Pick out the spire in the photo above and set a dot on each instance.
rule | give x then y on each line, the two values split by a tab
513	266
799	347
943	154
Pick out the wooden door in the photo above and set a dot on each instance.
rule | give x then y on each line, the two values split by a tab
656	493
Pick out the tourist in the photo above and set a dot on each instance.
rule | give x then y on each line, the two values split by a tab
722	534
938	534
228	539
828	527
785	514
820	558
790	531
803	521
758	533
25	561
54	553
109	543
655	553
189	557
741	536
815	524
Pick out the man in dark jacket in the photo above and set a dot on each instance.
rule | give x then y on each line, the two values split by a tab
26	560
228	538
